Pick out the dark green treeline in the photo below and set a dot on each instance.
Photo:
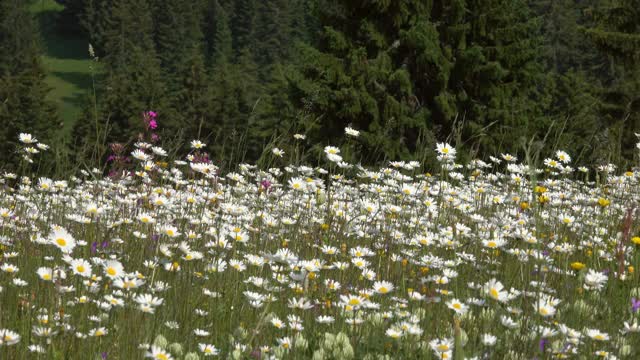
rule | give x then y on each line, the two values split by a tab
488	76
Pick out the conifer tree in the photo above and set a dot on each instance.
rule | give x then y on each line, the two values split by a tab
243	26
23	93
180	46
220	41
274	31
132	80
617	35
354	79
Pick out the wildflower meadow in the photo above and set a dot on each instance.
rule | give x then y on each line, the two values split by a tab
170	257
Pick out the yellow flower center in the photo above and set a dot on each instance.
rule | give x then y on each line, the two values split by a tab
492	244
61	242
543	311
494	293
383	290
457	306
111	271
354	301
80	268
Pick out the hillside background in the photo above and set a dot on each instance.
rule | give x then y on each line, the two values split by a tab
489	76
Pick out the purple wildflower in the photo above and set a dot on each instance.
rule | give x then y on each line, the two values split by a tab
542	344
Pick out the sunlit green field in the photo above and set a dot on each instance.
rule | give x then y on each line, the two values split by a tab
66	62
171	259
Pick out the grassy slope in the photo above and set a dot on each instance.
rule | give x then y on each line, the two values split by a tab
67	63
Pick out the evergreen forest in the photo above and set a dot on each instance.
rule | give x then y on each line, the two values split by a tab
524	77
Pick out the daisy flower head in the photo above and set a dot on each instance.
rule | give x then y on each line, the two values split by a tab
545	307
62	240
208	349
157	353
278	152
201	332
145	218
457	306
113	269
8	337
383	287
197	144
285	342
334	158
597	335
45	273
566	219
440	346
494	243
495	290
9	268
352	301
445	151
331	150
551	163
351	131
594	280
140	155
489	340
98	332
394	333
297	184
563	157
171	231
325	319
27	138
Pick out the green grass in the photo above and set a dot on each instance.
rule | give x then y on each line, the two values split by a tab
67	63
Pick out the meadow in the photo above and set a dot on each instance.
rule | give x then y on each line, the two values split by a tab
174	259
69	68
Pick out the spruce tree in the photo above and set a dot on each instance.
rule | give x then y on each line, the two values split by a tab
274	33
219	39
352	78
132	80
23	93
617	35
243	27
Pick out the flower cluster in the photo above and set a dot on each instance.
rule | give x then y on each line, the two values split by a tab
490	259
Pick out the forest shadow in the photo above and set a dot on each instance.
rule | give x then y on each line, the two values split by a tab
62	46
